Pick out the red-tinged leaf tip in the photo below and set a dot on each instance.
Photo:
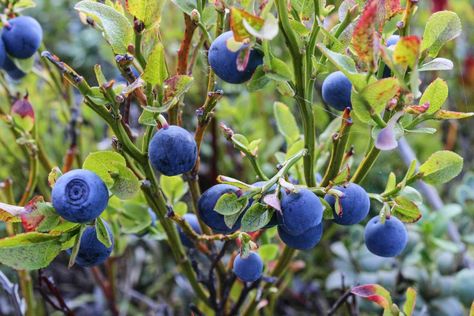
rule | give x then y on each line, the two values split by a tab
407	51
452	115
237	16
418	109
364	37
392	7
23	113
374	293
31	218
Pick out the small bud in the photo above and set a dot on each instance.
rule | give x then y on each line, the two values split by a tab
23	114
138	26
195	16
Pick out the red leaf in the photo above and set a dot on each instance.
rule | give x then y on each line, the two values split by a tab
364	36
374	293
31	218
392	7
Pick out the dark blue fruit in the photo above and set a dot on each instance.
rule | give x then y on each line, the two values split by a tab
300	211
386	240
307	240
22	36
173	151
248	269
223	61
3	53
91	251
355	204
209	216
80	196
12	70
192	220
336	91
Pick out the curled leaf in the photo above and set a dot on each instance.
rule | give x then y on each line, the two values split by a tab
374	293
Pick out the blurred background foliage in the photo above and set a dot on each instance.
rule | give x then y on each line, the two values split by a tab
149	283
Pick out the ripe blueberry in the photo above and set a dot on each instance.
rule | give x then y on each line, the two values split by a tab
386	240
300	211
336	91
224	61
91	251
355	204
248	269
80	196
3	53
192	220
209	216
173	151
12	70
22	37
305	241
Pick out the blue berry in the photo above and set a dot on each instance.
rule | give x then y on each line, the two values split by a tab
22	37
173	151
300	211
3	53
393	40
209	216
92	252
248	269
12	70
80	196
305	241
192	220
336	91
355	204
386	240
224	61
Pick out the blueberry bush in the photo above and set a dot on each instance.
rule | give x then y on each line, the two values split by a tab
279	157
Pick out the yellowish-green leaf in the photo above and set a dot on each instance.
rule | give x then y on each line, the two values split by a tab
436	94
441	167
156	71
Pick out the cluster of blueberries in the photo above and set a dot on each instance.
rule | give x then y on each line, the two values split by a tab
80	196
21	38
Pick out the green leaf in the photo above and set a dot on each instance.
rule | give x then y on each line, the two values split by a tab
441	167
185	5
286	122
147	11
102	233
117	29
376	96
452	115
391	182
347	65
437	64
441	27
29	251
405	210
112	169
126	184
239	28
280	70
173	187
230	204
268	252
436	94
259	80
230	220
100	163
76	240
134	217
256	217
24	65
410	302
156	71
147	118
